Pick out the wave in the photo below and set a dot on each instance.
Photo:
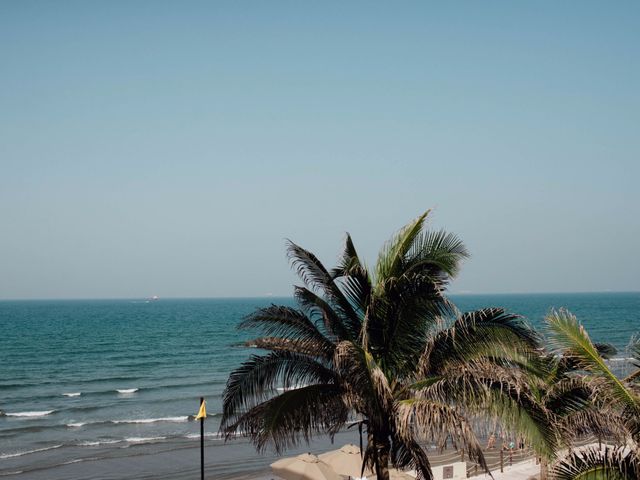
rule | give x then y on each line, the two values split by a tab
154	420
180	419
134	440
619	359
30	414
27	452
144	439
126	390
215	435
74	394
13	384
98	442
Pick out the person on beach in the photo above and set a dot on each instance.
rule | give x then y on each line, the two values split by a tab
492	442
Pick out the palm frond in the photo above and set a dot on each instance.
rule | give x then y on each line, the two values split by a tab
481	387
634	351
594	463
283	344
430	419
257	379
348	261
315	305
291	417
489	332
394	251
367	387
407	454
435	253
286	322
315	276
353	277
570	336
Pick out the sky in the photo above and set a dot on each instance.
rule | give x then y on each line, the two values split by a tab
170	148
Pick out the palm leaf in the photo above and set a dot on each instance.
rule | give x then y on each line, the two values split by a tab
393	252
257	379
593	463
430	419
436	253
489	332
315	305
571	336
317	277
407	454
293	416
286	322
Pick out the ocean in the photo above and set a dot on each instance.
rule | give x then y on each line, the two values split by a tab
103	389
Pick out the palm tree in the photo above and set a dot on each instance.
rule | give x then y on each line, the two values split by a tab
618	398
571	401
373	345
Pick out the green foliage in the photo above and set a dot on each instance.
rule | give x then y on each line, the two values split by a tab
388	347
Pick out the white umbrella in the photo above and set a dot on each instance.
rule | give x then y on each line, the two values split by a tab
304	467
346	461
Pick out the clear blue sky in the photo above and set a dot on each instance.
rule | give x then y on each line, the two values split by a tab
169	148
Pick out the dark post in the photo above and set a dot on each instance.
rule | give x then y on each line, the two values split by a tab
501	460
201	443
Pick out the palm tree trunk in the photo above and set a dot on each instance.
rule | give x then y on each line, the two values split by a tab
382	448
544	469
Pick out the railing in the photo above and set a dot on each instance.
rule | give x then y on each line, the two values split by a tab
497	459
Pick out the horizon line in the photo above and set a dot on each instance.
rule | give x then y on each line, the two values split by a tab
240	297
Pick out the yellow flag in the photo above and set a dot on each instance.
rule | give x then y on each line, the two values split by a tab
202	413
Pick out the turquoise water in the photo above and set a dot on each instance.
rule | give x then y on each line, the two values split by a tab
96	389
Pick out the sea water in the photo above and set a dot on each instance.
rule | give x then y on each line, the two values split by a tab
106	388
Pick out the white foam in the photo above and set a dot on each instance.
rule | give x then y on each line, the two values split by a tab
73	394
41	413
154	420
99	442
619	359
207	435
20	454
127	390
143	439
76	425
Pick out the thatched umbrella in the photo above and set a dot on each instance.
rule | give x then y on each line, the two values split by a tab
346	461
304	467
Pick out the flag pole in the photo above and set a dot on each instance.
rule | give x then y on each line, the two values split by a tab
201	442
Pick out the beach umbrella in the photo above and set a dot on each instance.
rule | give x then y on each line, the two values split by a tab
346	461
304	467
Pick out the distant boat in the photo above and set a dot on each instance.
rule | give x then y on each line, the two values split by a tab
155	297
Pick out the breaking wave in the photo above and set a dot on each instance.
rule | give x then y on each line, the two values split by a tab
27	452
41	413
